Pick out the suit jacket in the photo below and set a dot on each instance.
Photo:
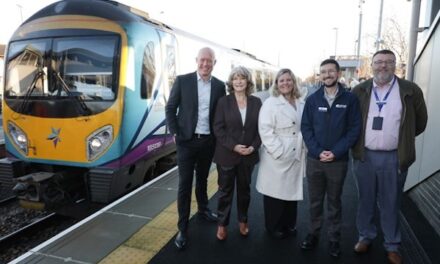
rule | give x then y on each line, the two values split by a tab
229	131
182	107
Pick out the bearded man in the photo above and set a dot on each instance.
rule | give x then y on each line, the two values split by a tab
330	125
393	114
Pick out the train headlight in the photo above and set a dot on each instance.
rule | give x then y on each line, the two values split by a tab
19	137
99	141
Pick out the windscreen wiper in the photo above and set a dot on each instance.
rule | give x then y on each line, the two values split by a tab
81	105
39	74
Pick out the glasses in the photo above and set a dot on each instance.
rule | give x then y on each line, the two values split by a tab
388	62
329	72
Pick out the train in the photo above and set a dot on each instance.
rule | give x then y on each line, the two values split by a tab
85	88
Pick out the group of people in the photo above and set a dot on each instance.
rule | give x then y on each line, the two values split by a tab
292	139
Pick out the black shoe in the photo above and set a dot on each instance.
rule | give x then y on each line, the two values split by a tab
310	242
180	241
207	215
291	231
334	249
277	234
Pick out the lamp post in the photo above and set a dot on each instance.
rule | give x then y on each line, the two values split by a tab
336	40
379	28
358	51
21	12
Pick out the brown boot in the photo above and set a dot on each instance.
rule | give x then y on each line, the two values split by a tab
394	258
361	247
222	233
244	229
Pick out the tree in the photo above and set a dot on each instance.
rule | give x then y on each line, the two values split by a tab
395	39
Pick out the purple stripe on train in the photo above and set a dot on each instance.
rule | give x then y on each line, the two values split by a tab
144	150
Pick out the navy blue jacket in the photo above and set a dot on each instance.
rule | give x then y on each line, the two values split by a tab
335	128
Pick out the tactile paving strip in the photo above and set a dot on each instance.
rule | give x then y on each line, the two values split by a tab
145	243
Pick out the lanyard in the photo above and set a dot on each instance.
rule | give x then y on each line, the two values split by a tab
380	103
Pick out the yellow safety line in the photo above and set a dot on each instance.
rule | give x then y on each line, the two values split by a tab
142	246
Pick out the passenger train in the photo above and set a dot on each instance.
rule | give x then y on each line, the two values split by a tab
86	83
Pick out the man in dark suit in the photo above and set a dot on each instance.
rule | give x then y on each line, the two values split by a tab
190	112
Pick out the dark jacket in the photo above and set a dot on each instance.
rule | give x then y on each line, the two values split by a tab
229	131
413	121
182	107
334	128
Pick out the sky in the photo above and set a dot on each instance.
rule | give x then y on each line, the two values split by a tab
296	34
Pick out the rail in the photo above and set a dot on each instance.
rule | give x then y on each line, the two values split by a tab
7	239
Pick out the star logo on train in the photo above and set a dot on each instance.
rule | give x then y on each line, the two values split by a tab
55	136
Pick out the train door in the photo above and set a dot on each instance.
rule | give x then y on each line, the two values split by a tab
149	111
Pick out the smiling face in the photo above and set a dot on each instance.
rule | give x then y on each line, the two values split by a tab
205	62
239	83
285	84
329	74
383	66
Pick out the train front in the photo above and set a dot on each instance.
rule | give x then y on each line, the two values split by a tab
62	102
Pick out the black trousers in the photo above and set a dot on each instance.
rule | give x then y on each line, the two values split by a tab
227	176
193	155
279	214
326	178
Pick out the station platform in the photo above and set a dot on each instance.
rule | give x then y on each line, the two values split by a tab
141	227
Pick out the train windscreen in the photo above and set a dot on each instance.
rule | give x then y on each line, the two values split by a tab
63	67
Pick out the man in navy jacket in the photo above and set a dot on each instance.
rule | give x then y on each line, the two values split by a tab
330	125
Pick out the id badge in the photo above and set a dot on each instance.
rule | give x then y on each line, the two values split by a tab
377	123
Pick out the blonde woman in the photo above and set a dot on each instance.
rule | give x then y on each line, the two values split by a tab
282	155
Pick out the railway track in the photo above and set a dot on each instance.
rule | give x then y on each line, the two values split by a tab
4	201
27	237
16	225
36	223
14	219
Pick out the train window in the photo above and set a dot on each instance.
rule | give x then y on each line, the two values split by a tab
148	71
25	68
258	81
171	65
86	65
271	77
267	80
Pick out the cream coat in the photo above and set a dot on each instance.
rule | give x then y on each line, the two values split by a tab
282	154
